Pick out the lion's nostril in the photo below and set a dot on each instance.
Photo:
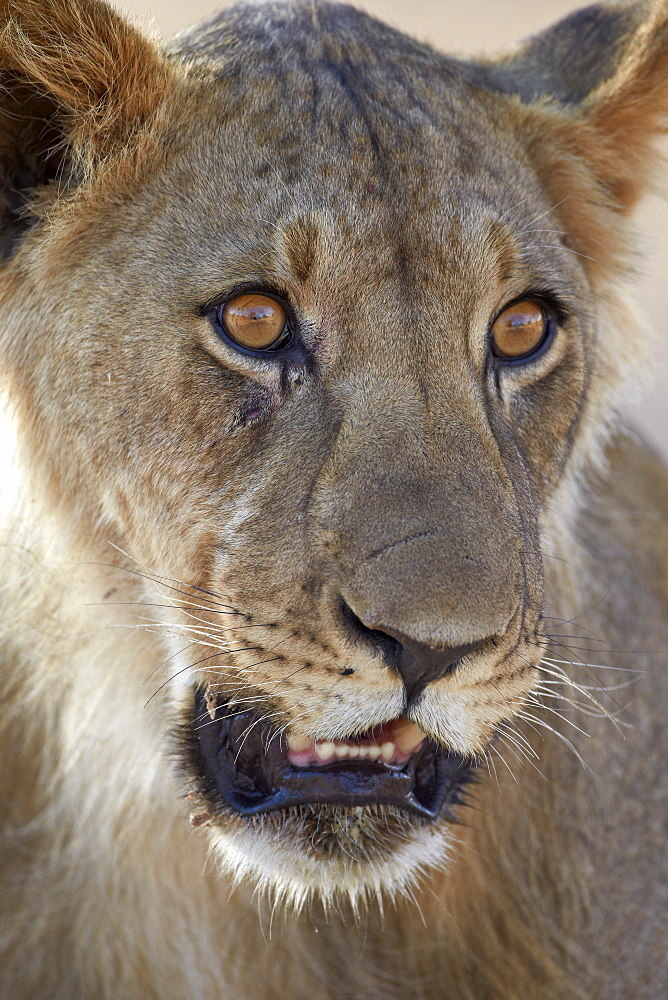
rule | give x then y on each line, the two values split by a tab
379	640
416	663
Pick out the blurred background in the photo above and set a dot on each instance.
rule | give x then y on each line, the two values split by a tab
485	26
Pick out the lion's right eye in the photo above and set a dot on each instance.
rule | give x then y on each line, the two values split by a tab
256	322
520	330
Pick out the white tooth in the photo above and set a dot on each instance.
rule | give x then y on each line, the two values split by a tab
364	751
353	751
387	751
298	743
407	735
341	750
324	750
374	751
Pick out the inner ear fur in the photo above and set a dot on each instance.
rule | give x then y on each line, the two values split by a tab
78	85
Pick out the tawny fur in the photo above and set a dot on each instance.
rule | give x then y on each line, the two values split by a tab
180	515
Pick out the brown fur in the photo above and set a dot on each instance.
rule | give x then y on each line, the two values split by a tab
181	514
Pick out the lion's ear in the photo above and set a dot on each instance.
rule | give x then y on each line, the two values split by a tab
593	93
628	110
569	60
78	84
604	71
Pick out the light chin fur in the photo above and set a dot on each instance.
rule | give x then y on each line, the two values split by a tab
293	878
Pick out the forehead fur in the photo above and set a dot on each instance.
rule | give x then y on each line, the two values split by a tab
330	63
379	128
289	34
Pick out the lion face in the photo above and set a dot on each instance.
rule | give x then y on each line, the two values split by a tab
345	519
353	515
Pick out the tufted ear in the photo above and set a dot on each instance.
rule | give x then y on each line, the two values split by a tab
594	93
78	84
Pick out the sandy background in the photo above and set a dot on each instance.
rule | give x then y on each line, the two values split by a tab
486	26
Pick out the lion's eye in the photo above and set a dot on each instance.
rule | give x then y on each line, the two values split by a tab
520	329
255	321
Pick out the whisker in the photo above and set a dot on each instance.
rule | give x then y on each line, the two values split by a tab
581	689
523	714
560	736
517	737
519	756
166	661
181	606
543	214
262	718
576	253
598	666
162	581
512	208
491	766
192	666
495	750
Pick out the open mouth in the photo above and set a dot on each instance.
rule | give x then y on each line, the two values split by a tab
254	769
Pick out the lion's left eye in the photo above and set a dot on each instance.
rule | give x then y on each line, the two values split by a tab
520	330
256	322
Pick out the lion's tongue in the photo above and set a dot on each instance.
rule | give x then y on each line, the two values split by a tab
393	743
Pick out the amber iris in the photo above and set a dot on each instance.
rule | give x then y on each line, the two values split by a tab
254	321
519	329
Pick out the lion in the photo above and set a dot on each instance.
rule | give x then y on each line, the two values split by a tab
334	583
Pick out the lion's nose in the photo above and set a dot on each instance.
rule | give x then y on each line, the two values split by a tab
417	663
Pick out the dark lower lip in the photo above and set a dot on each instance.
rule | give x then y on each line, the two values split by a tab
244	762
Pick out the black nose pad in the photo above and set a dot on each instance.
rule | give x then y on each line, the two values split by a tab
420	665
416	663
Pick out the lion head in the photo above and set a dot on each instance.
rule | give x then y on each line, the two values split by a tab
313	324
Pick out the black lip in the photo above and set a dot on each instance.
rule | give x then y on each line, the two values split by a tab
245	762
